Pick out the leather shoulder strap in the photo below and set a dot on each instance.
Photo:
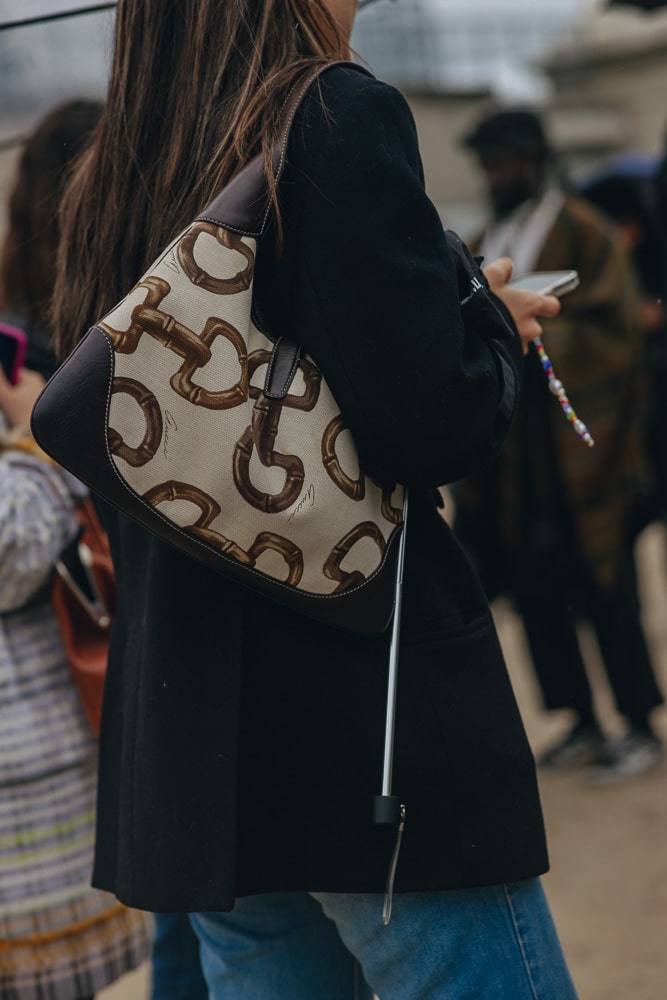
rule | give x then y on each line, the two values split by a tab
244	205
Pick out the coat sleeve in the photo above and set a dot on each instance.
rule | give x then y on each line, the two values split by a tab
36	521
428	395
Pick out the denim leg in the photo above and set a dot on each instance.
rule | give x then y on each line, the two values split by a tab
496	943
176	968
276	946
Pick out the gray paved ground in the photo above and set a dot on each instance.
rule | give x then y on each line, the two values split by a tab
608	879
608	883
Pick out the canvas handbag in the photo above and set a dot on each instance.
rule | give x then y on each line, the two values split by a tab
84	597
179	411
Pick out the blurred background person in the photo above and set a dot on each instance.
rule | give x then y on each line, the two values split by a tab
27	253
58	937
627	190
551	521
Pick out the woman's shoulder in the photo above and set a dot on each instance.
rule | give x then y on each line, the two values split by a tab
349	107
345	84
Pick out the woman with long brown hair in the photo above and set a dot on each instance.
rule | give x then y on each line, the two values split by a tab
242	742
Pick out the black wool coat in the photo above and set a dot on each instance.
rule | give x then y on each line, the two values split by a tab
242	744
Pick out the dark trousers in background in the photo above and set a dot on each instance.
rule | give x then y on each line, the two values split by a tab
551	603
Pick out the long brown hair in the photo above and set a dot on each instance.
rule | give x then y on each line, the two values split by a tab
195	92
28	253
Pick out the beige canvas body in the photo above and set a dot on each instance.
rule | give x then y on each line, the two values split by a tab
277	484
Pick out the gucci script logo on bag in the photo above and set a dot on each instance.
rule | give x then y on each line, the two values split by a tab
307	500
169	426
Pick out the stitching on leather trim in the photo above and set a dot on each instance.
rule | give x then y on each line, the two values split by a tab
286	132
280	394
259	232
292	371
285	138
272	362
256	233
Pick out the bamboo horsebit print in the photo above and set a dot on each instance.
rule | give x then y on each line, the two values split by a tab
227	444
178	340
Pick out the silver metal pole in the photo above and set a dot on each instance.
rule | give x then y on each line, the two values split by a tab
393	660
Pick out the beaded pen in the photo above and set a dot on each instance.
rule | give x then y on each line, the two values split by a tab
557	388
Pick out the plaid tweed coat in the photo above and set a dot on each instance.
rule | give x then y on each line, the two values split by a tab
59	938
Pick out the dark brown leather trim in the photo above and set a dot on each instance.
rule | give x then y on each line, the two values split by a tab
243	205
282	368
69	418
69	422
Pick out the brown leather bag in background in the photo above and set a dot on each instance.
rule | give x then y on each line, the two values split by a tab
84	597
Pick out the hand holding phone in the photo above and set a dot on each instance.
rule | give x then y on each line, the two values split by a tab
526	305
556	283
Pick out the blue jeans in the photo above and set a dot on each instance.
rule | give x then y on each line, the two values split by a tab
176	968
496	943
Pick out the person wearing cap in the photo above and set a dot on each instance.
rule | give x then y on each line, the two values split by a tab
550	521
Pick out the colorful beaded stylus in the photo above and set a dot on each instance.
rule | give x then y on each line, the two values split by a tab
556	386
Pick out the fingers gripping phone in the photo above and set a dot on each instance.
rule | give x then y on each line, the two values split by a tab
13	345
556	283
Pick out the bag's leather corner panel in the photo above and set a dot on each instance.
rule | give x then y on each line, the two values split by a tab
69	422
69	417
242	204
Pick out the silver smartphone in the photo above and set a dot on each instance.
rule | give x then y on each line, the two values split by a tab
547	282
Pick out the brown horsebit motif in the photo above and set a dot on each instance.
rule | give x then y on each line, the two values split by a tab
193	348
332	567
220	286
141	455
355	489
392	514
223	399
291	553
261	435
210	509
148	318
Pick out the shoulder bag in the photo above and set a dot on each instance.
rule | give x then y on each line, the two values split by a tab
179	411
